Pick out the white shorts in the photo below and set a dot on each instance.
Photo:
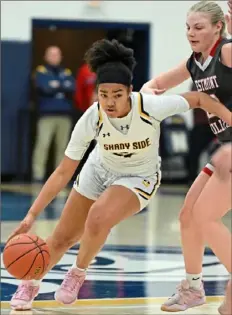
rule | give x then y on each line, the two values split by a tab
94	179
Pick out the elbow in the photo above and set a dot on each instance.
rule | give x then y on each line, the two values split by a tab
205	99
66	168
61	177
64	172
200	96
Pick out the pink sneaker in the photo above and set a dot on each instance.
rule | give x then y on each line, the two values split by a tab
24	296
226	307
185	298
69	289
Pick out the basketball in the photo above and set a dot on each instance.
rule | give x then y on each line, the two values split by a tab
26	256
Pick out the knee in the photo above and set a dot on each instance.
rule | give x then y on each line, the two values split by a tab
97	223
190	218
185	214
199	218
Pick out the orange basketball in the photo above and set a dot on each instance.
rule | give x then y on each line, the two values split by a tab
26	256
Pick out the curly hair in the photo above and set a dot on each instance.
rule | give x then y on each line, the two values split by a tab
104	51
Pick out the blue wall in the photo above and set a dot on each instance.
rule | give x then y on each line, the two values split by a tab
15	75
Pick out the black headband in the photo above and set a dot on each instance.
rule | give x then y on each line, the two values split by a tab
114	73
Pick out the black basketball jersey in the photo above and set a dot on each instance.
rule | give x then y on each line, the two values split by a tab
214	78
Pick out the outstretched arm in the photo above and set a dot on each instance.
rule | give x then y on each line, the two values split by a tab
82	134
208	104
56	182
165	106
167	80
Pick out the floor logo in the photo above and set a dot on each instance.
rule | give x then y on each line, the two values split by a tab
117	266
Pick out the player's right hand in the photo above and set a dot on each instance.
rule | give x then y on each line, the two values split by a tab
152	91
228	17
24	226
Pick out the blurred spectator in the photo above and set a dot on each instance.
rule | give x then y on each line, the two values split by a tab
85	95
85	89
54	88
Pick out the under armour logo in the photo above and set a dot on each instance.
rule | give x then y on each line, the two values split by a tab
123	127
106	134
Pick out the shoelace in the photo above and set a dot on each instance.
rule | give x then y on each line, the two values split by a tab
184	293
24	292
71	282
180	295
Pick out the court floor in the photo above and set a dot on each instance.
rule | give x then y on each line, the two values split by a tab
138	268
151	309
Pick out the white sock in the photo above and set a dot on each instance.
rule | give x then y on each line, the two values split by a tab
194	280
37	282
34	282
75	266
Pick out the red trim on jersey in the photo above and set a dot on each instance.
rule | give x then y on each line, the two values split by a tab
207	171
213	50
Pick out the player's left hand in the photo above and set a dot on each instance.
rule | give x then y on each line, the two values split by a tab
230	6
228	17
147	90
24	226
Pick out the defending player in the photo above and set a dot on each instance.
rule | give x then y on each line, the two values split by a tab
209	198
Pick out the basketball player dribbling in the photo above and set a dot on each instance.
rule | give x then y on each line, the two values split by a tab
122	172
209	198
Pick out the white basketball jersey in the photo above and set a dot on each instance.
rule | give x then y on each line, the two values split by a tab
134	152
